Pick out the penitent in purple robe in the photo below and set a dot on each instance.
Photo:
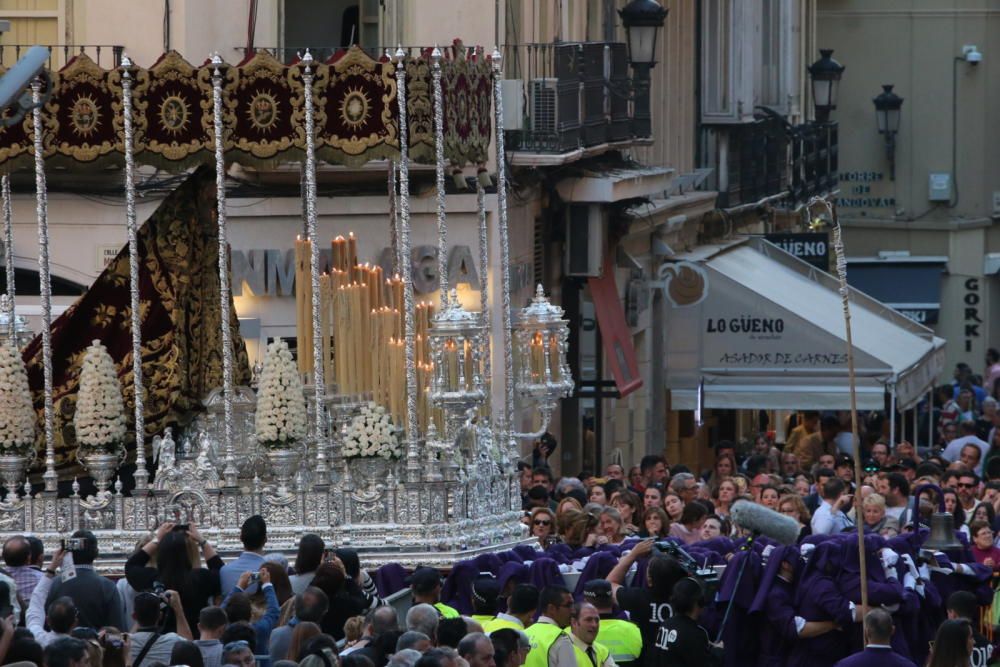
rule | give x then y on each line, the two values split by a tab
824	602
778	634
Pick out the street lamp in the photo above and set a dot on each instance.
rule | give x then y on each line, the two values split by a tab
642	20
887	106
825	74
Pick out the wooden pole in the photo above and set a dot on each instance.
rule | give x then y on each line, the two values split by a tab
845	296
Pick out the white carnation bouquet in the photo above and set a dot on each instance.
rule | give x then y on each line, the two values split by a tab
281	403
17	414
100	411
371	435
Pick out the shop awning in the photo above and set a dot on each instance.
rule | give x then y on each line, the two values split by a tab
770	334
909	284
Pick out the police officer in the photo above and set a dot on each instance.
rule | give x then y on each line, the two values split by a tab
550	646
621	637
485	592
584	625
521	607
425	585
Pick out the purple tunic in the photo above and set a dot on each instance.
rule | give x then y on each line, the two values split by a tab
778	634
824	602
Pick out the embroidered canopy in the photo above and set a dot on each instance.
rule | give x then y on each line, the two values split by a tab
357	115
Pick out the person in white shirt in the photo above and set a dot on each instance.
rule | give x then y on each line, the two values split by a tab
62	613
968	436
830	517
584	624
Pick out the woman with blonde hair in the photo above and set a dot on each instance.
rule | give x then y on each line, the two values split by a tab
873	513
724	496
791	504
567	503
578	528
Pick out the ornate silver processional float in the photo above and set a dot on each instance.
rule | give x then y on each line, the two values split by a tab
413	465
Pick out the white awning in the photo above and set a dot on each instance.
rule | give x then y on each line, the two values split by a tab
770	334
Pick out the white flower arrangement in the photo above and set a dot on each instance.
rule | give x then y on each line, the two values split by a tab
100	410
372	435
17	414
281	403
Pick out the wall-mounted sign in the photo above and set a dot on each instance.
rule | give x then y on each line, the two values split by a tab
972	319
271	272
813	248
856	189
105	255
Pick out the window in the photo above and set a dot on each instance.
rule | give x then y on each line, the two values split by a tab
324	27
748	58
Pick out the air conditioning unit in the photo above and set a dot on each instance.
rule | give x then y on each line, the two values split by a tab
543	96
584	240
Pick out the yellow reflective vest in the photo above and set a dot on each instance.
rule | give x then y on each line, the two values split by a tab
623	639
542	636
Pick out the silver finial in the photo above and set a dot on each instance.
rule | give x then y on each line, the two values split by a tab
216	59
400	53
307	58
436	53
126	61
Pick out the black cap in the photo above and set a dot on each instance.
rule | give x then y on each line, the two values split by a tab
845	460
486	590
424	580
597	589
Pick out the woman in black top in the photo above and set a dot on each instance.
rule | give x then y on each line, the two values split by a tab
196	586
345	602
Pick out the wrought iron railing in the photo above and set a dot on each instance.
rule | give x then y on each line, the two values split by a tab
105	55
768	158
566	95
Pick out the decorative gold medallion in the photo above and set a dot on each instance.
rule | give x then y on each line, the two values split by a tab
175	113
263	111
355	108
84	116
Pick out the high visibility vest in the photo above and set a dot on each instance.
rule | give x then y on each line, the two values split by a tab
481	619
542	636
601	653
495	624
622	638
446	611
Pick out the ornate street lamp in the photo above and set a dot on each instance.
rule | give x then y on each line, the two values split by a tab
825	74
642	20
887	106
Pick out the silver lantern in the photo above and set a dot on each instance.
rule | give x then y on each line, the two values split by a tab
541	372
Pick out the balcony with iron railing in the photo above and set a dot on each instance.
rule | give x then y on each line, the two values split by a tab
568	99
771	160
107	56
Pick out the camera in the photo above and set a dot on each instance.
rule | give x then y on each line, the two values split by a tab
708	576
160	591
254	577
73	544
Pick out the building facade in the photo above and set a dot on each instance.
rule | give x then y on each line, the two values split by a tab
922	238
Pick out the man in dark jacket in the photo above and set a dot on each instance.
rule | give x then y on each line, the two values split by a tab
96	597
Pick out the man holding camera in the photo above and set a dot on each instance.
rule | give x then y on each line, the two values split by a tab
96	597
149	644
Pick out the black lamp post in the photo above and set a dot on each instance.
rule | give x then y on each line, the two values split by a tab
825	74
887	106
642	20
